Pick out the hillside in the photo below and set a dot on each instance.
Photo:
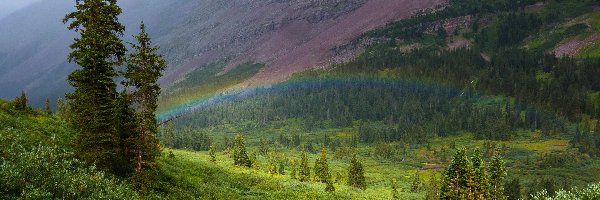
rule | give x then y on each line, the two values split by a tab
475	75
286	36
342	99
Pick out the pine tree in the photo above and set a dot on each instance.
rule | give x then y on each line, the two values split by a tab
240	158
17	103
481	183
458	179
212	152
322	168
497	176
304	168
97	51
47	108
356	176
24	100
127	132
144	68
294	169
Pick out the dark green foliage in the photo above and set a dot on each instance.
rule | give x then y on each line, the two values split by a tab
167	135
321	168
37	162
304	173
458	179
144	68
497	175
126	129
20	102
281	168
480	179
294	170
97	51
510	30
513	189
24	101
356	174
186	138
240	158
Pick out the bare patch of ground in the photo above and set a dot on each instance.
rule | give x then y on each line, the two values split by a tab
572	46
459	43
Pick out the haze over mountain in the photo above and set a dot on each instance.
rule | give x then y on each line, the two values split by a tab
10	6
287	36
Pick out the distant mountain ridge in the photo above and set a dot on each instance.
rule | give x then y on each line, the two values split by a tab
287	36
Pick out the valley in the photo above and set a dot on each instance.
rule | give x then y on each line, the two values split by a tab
341	99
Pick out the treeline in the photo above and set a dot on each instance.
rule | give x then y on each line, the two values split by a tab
184	138
510	29
414	28
383	110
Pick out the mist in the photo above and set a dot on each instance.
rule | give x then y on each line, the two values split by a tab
9	6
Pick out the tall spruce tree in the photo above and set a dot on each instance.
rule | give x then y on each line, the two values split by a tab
97	51
240	157
126	130
458	179
294	169
481	183
304	174
322	168
356	175
497	175
24	100
144	68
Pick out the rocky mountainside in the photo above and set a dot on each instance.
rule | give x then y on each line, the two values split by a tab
286	35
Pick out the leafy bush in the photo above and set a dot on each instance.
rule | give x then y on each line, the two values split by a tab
36	163
590	192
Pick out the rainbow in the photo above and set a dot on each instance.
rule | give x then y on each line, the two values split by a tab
299	83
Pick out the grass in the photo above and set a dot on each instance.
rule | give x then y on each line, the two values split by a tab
191	175
591	51
529	157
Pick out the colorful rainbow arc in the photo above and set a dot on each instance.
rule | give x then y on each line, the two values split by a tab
302	83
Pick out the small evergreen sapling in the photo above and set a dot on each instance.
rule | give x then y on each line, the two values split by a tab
356	176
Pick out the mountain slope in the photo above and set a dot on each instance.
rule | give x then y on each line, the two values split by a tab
287	36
